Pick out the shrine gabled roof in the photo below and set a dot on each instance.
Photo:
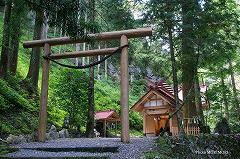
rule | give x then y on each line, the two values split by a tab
157	88
165	91
106	115
163	88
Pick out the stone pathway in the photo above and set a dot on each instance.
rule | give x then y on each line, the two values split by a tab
107	146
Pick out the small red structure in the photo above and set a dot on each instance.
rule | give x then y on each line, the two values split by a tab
104	117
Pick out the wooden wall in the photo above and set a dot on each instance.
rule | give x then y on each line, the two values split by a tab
149	125
174	121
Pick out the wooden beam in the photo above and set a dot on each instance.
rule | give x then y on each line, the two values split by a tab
157	107
83	53
158	111
131	33
124	84
44	96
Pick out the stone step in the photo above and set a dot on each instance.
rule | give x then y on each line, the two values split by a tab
63	152
97	149
82	157
34	154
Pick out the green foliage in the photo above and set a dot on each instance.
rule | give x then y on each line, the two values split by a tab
12	96
4	149
204	146
18	114
69	16
107	96
116	8
214	94
216	112
222	127
19	16
3	104
70	94
136	121
18	122
152	58
163	150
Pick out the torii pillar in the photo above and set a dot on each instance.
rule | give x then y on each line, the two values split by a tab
124	84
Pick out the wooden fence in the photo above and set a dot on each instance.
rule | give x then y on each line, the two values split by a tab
174	131
193	130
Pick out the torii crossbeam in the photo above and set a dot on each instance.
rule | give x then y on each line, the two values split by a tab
123	35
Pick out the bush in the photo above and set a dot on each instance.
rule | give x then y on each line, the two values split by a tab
222	127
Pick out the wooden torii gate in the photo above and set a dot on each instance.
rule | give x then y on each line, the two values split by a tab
123	35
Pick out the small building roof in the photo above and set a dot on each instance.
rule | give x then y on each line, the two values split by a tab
109	115
162	89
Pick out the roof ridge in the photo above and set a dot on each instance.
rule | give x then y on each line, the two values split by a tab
165	86
105	111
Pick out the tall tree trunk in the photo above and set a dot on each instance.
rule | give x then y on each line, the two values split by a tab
33	72
233	83
188	59
13	58
90	120
45	27
77	60
99	65
84	44
199	104
60	47
105	65
105	69
224	97
15	37
83	58
5	39
175	82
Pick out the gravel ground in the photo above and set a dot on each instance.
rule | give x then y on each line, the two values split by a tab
135	148
132	150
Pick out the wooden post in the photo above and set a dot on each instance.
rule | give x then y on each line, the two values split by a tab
124	92
104	128
144	123
115	128
170	125
44	96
